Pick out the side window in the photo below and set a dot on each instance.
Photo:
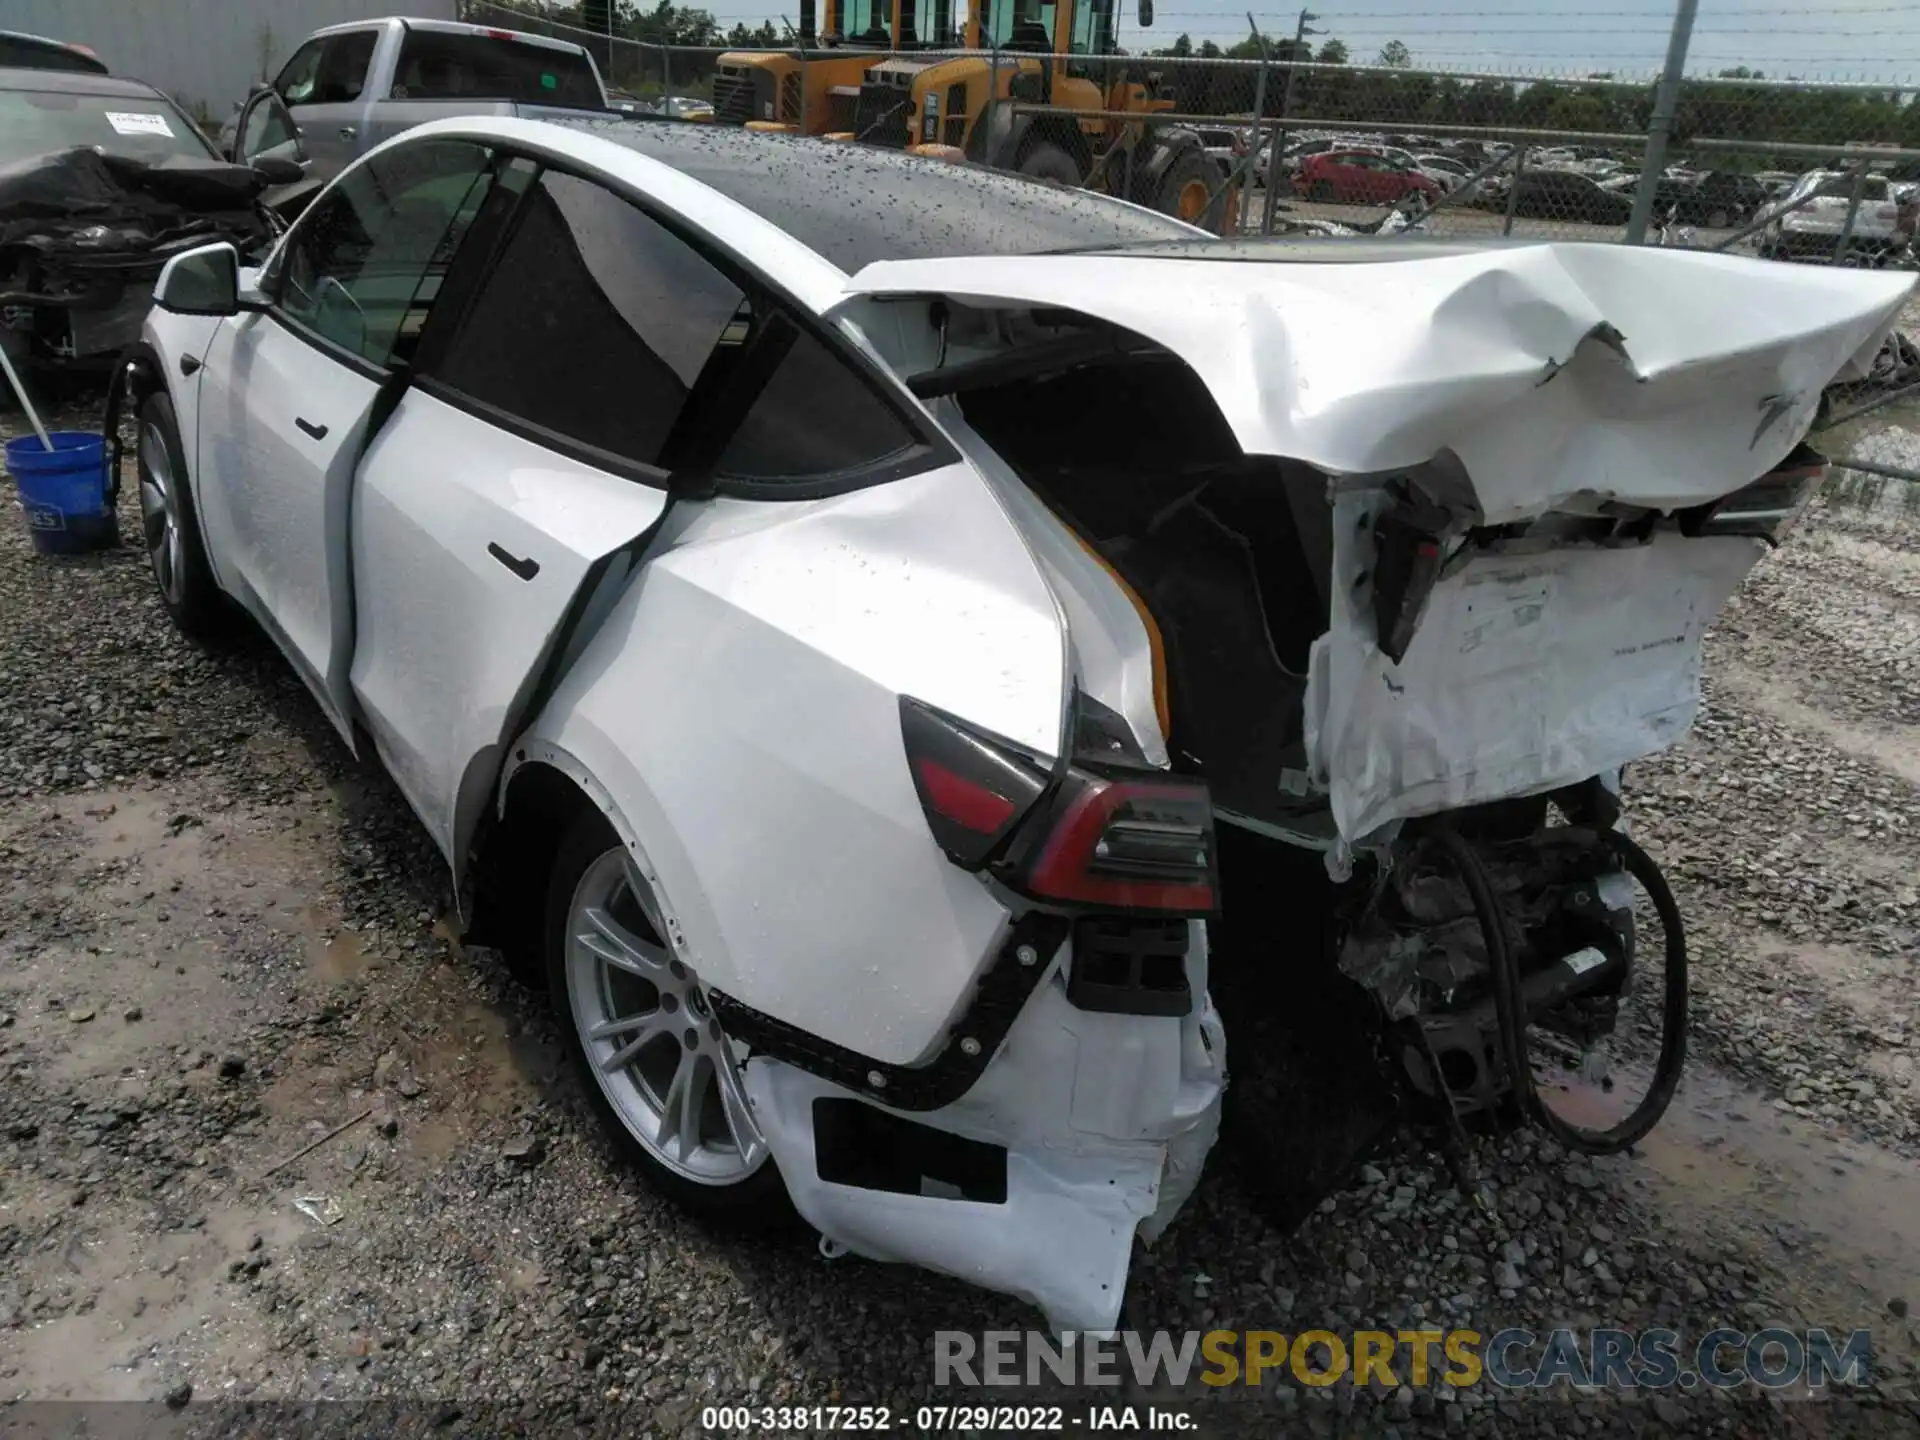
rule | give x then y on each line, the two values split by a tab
265	126
595	323
330	70
363	266
296	79
816	417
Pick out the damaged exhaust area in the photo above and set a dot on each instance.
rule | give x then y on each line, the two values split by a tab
1411	726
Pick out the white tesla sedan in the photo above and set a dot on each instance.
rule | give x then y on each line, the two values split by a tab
838	610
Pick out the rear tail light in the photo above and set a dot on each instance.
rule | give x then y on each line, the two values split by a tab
1106	839
973	790
1125	844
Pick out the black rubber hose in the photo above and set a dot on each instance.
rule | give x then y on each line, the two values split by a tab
1510	1006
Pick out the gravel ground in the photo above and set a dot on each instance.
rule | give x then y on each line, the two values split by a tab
221	938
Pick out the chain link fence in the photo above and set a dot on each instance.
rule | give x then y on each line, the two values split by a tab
1797	171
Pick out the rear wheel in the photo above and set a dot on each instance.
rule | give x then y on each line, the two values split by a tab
1718	219
1048	161
657	1067
170	529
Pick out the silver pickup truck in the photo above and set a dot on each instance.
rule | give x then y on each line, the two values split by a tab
349	87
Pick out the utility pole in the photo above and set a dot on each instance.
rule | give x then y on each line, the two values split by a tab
1300	33
1666	100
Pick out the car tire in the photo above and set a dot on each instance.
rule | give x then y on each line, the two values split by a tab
1191	190
1048	161
1718	219
170	525
640	1032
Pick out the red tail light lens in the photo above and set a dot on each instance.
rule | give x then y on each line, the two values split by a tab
1113	840
1128	844
973	789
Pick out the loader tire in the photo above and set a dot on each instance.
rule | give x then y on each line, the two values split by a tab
1191	190
1048	161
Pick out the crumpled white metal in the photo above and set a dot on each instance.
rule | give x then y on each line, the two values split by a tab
1553	371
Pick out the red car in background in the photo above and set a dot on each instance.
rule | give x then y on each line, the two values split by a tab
1359	177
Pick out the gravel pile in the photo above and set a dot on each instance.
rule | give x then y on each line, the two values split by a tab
220	939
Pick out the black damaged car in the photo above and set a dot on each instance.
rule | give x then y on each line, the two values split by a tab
102	180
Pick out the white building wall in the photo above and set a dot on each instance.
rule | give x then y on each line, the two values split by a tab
204	53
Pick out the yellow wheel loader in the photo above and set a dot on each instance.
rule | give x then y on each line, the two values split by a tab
865	82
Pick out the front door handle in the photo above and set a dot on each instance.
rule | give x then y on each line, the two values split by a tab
525	569
318	432
347	132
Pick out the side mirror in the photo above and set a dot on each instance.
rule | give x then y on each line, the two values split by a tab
1146	12
279	169
201	281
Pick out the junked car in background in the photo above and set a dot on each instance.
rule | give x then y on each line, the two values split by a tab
102	180
1811	218
19	51
1361	177
728	545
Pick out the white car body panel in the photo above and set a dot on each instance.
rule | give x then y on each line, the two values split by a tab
450	639
174	338
1527	672
1505	358
1106	1119
274	499
740	705
1556	375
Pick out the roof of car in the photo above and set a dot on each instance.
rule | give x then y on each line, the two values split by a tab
855	204
75	82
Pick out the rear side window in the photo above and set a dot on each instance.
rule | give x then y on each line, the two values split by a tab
594	325
598	325
815	418
454	65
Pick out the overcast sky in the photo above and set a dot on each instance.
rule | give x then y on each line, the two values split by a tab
1833	39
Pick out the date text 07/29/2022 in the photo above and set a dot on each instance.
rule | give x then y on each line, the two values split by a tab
933	1419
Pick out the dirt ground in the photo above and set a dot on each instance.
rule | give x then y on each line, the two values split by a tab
268	1134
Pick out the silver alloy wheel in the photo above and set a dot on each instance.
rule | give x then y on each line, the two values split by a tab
658	1053
160	513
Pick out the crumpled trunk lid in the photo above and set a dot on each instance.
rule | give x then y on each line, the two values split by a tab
1536	382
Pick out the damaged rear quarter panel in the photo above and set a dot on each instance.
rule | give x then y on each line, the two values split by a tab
739	706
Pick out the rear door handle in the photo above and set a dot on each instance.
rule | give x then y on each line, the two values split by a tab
318	432
347	132
525	569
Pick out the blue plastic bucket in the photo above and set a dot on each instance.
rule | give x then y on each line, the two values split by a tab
64	492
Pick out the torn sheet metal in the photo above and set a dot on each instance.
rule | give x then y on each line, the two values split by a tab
1552	371
1106	1121
1527	672
84	234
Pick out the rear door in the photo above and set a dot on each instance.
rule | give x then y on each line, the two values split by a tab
287	395
504	507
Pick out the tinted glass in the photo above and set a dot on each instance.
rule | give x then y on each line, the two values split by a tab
265	126
595	322
452	65
363	267
816	417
